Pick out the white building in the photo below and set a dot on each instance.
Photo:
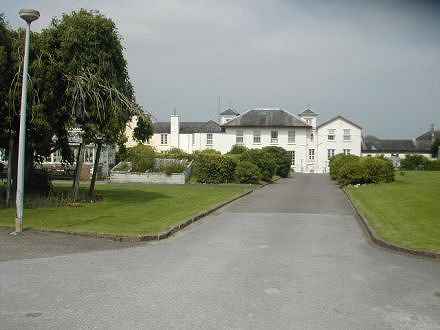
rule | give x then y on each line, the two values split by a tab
310	145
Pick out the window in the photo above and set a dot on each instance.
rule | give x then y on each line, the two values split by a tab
347	151
239	136
331	135
311	136
209	139
292	157
330	153
347	136
291	136
257	137
311	154
308	121
164	139
193	139
274	137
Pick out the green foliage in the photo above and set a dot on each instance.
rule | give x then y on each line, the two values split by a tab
433	165
282	159
414	162
435	149
122	167
141	158
348	169
237	149
122	153
264	160
247	172
144	129
170	167
175	153
212	167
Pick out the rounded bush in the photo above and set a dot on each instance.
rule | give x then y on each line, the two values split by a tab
247	172
414	162
337	161
263	159
213	168
237	149
141	158
282	160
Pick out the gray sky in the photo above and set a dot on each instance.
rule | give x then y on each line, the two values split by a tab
376	62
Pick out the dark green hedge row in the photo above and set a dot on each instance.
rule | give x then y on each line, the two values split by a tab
419	163
350	169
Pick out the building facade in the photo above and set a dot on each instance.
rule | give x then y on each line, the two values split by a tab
310	145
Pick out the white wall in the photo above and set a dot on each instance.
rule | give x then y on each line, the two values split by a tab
323	144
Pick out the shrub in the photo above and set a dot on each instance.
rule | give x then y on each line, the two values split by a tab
237	149
175	153
351	172
170	167
263	160
414	162
433	165
212	167
141	158
377	169
247	172
336	163
282	160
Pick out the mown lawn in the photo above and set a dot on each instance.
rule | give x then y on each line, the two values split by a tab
405	212
128	209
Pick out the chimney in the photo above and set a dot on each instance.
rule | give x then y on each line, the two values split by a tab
174	129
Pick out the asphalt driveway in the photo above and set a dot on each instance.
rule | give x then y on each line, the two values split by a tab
289	256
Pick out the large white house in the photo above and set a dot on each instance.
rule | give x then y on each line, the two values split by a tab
309	144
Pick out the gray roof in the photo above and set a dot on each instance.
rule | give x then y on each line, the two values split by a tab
375	145
189	127
266	118
342	118
229	112
308	112
424	141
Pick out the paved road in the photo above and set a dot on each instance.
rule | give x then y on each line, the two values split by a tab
289	256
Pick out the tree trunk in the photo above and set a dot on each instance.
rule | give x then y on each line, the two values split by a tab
79	163
9	184
95	170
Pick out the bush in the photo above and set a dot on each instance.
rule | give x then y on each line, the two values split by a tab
414	162
433	165
212	167
282	159
247	172
263	160
175	153
336	163
170	167
141	158
237	149
348	169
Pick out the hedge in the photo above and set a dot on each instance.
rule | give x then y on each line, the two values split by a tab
237	149
348	169
247	172
212	167
419	163
263	159
141	158
282	160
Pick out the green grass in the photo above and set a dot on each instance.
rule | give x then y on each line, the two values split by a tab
128	209
405	212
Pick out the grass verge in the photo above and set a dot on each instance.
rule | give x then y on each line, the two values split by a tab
406	212
129	209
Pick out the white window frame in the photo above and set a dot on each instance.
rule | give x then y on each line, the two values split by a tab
209	139
257	137
347	134
193	139
292	157
274	140
311	154
163	139
239	137
347	152
291	136
330	153
331	136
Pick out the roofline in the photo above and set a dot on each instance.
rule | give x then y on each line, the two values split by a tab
339	117
395	150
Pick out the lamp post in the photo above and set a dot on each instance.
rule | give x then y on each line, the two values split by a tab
28	15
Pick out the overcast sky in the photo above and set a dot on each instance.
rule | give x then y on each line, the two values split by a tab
377	62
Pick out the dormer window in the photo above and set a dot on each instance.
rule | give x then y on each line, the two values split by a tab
308	121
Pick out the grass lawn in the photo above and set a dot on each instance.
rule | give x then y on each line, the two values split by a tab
129	209
405	212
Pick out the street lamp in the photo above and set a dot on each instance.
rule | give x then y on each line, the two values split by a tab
29	15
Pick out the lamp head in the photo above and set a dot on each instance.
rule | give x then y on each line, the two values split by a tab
29	15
